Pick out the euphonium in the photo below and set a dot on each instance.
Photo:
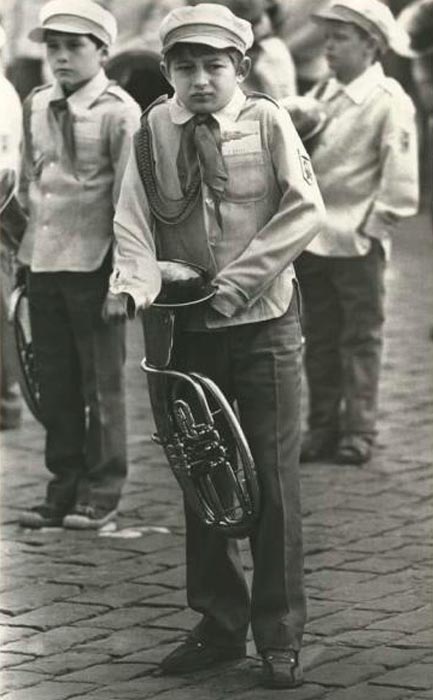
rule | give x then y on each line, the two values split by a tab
195	424
12	226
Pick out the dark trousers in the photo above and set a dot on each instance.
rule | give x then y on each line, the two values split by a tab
343	318
80	364
259	366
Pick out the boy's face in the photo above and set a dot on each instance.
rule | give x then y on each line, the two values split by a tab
73	58
347	50
204	82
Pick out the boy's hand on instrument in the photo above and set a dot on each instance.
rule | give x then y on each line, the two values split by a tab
115	307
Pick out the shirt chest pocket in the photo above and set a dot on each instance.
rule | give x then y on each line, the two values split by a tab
248	177
88	143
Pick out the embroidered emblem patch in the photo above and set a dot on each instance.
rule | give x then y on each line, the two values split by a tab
242	138
307	170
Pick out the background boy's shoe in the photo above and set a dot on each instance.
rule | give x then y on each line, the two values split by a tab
353	449
195	655
87	517
44	515
281	669
317	446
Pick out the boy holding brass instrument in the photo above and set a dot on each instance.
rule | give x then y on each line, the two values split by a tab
231	190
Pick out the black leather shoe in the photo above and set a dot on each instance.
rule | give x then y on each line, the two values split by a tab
281	669
45	515
195	655
318	446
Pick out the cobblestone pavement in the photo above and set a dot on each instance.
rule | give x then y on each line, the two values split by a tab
89	616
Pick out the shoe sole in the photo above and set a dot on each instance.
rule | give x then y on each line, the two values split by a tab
35	522
80	522
181	670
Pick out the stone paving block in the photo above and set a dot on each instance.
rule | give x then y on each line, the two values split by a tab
138	689
351	618
343	674
416	676
57	615
59	664
116	596
367	638
329	560
365	691
106	674
14	679
308	691
389	657
50	690
316	655
182	620
364	591
152	656
385	543
54	641
123	642
8	660
128	617
172	597
320	608
28	598
400	602
376	565
414	552
171	578
11	634
337	580
413	622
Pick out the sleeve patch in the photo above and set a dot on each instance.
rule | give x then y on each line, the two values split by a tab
306	168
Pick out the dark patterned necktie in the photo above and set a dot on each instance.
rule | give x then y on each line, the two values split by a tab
63	116
201	137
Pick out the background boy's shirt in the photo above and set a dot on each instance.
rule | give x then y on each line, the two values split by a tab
71	195
270	211
10	126
366	162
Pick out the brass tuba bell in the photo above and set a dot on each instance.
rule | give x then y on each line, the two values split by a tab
195	424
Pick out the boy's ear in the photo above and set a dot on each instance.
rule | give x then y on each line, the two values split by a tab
244	69
104	53
164	70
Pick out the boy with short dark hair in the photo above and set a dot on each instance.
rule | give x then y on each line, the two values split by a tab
77	138
230	190
365	159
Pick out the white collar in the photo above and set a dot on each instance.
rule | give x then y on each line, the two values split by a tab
359	88
180	114
86	95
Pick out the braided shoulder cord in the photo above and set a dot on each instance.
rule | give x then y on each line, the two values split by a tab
167	211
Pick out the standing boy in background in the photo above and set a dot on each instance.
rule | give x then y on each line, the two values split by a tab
231	190
10	157
365	160
77	139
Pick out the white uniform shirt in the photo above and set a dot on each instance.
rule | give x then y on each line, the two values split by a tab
270	210
365	162
10	126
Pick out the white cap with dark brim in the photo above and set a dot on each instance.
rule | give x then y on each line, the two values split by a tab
373	16
208	24
75	17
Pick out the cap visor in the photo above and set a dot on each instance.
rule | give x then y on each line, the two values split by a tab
328	14
214	42
38	33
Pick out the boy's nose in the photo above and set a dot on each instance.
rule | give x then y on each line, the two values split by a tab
200	77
